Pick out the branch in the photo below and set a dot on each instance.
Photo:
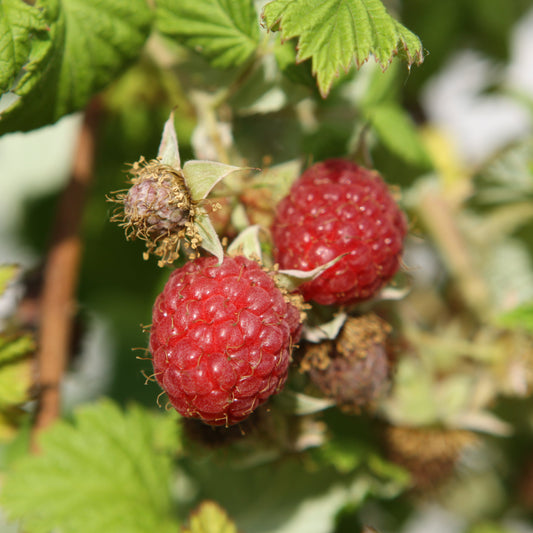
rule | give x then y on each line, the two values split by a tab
61	278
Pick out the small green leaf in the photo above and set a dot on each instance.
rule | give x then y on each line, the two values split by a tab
16	370
327	331
75	48
297	403
520	317
202	176
247	243
210	518
104	472
292	278
210	240
168	148
7	275
224	31
337	33
398	133
15	348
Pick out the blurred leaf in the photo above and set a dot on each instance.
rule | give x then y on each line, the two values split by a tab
84	46
7	275
520	317
336	33
224	31
15	348
398	133
210	518
16	370
107	471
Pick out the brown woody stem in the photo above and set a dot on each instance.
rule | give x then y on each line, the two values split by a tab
58	302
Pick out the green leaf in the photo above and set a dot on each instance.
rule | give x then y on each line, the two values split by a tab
247	243
168	148
398	133
337	33
202	176
7	275
84	45
23	31
210	518
520	317
224	31
107	471
16	370
210	240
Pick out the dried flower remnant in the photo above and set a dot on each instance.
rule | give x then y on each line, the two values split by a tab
159	210
354	369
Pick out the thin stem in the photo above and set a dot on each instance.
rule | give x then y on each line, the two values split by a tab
61	279
438	217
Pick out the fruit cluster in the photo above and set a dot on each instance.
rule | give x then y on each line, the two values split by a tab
224	328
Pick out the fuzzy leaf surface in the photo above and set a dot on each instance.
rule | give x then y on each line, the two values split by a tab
108	471
337	33
226	32
74	49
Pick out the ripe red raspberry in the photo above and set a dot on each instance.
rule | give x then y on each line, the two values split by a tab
221	338
334	208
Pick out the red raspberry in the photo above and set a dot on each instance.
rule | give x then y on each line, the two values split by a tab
334	208
221	338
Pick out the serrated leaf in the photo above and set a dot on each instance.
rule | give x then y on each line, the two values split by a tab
7	275
168	151
337	33
85	45
210	518
247	243
103	472
224	31
202	176
210	240
23	31
398	133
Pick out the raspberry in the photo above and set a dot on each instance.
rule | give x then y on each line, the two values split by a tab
221	338
335	208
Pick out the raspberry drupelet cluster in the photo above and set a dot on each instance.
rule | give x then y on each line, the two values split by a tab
221	338
337	207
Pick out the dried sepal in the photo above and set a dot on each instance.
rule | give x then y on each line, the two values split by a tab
158	209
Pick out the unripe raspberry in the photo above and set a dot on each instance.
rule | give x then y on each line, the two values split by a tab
221	338
158	209
337	208
354	369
